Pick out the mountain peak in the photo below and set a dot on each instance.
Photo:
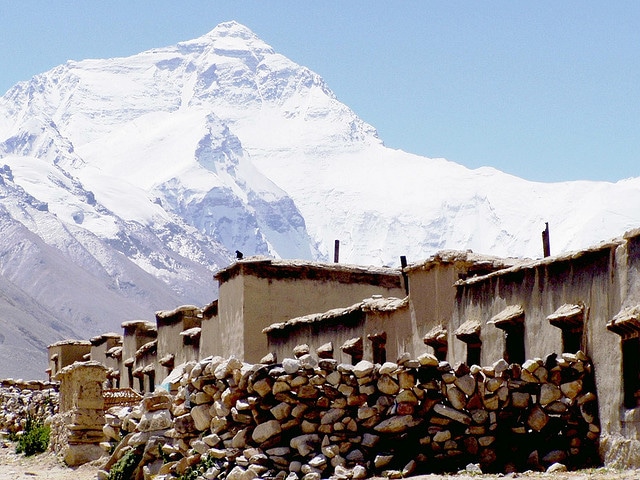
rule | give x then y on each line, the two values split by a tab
232	29
231	36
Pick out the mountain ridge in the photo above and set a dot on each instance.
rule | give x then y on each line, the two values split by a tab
140	176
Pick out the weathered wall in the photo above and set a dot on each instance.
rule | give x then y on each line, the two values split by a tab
603	279
374	317
171	344
253	300
102	344
136	333
335	329
224	333
432	296
210	329
283	299
66	352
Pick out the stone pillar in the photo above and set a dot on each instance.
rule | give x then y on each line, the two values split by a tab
78	428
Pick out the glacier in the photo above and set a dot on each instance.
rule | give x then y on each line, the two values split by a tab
125	183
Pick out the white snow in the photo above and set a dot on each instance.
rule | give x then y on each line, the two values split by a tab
222	128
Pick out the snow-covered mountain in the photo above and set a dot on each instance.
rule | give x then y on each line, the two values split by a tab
125	182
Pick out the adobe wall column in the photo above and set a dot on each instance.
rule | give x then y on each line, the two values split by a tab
77	430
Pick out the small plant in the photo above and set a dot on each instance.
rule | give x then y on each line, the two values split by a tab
197	470
123	469
34	438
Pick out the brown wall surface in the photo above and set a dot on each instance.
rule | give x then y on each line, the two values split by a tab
274	301
604	280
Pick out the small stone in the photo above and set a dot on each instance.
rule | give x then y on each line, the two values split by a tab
571	389
381	461
466	384
281	411
359	472
388	368
265	431
262	387
428	360
291	365
457	397
537	418
556	467
369	440
409	468
520	399
239	473
363	368
452	414
442	436
473	468
388	385
397	424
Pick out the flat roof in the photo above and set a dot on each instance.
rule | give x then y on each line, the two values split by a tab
475	262
271	268
99	339
84	343
377	303
165	317
554	259
141	325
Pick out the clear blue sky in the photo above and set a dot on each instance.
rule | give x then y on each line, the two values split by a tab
545	90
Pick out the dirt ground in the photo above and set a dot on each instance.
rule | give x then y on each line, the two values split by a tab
44	466
48	466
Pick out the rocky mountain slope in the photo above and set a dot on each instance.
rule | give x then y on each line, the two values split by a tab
126	182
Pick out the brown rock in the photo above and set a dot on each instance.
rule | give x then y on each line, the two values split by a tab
265	431
537	418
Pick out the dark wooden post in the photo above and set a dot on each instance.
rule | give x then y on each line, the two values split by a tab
403	264
336	251
546	245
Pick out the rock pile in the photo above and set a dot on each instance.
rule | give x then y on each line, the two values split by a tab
19	400
312	419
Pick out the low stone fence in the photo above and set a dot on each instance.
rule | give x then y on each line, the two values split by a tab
317	419
20	399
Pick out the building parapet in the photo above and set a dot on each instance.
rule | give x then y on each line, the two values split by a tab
264	267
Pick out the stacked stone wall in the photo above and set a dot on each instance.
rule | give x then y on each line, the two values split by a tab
319	419
19	400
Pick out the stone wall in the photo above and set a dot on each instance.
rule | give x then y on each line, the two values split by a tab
317	419
18	400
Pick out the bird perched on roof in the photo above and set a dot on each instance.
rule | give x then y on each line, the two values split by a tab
239	255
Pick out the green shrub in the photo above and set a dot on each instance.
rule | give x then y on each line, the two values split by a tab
197	470
123	469
34	438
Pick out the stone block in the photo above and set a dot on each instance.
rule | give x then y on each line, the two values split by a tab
265	431
201	417
75	455
155	420
397	424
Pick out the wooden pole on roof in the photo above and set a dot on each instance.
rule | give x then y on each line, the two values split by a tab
403	264
546	245
336	251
